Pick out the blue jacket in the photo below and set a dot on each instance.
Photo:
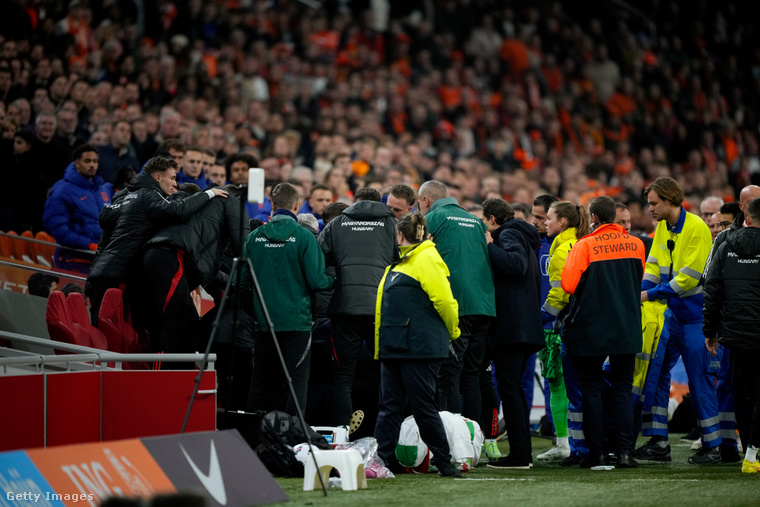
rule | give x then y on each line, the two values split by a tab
543	256
306	208
72	209
201	181
259	211
109	162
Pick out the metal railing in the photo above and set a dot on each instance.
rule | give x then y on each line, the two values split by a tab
81	356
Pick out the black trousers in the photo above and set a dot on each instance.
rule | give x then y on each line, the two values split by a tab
620	405
413	381
458	381
269	390
167	310
510	365
748	364
349	333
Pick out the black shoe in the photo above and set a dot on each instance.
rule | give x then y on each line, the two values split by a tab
706	456
651	451
692	436
626	461
571	461
611	458
448	469
511	463
729	454
593	461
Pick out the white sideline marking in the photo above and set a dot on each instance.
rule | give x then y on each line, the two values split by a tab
492	479
662	480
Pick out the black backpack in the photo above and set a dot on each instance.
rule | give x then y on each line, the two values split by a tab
278	433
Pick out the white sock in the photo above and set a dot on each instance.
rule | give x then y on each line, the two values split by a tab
490	440
751	455
563	442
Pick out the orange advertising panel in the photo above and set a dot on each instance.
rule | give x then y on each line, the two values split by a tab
88	474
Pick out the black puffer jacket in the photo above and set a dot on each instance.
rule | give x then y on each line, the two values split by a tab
204	236
360	243
732	291
518	287
141	213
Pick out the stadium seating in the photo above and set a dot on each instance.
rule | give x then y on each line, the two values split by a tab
60	324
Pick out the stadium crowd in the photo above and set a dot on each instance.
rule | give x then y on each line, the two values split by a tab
463	101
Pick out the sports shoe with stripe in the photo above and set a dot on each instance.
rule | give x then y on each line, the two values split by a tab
556	453
491	448
706	456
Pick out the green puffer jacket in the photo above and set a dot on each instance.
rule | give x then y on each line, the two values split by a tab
460	238
288	264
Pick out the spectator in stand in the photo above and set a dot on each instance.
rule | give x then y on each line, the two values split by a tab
117	153
217	174
237	166
192	168
72	210
319	198
709	207
174	149
42	284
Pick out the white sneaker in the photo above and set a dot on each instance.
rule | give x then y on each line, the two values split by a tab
556	453
697	445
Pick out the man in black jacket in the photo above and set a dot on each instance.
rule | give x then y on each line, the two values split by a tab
360	243
180	258
517	331
137	215
732	409
730	315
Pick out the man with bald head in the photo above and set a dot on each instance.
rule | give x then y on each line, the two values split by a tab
731	399
460	238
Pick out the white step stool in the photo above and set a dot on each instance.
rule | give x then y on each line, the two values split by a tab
348	463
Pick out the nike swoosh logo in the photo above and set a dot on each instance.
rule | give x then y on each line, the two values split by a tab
83	198
213	482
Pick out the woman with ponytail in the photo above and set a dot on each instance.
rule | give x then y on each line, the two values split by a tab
568	222
415	318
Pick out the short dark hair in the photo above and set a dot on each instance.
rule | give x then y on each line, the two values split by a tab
730	208
72	287
367	194
518	206
39	284
333	210
403	192
319	187
753	210
80	150
284	196
545	201
604	209
124	177
620	206
667	189
189	188
173	144
498	208
159	165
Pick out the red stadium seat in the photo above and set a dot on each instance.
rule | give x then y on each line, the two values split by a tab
81	316
60	325
120	334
